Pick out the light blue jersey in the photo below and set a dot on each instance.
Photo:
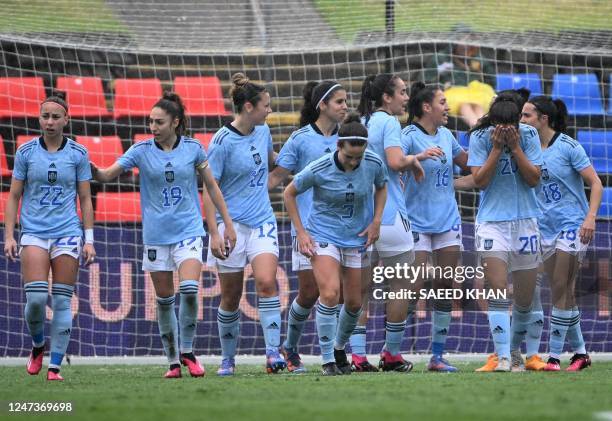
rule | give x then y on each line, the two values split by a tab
384	131
560	193
304	146
342	201
240	165
431	204
168	189
507	197
48	205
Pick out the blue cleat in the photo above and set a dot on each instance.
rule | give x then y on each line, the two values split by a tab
437	363
294	362
227	367
274	361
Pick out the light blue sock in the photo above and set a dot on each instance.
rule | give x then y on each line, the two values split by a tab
536	323
521	316
168	328
358	341
394	332
499	323
61	324
270	319
346	324
574	333
35	309
559	323
326	329
228	323
188	314
440	323
295	324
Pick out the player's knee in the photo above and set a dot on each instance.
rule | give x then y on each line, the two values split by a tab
330	295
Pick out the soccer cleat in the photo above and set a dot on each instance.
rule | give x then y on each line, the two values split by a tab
330	369
227	367
294	362
390	362
553	364
341	361
54	376
274	362
173	372
518	365
490	365
34	363
579	362
503	365
437	363
535	363
362	365
193	365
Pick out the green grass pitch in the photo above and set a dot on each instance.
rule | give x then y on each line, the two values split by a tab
140	393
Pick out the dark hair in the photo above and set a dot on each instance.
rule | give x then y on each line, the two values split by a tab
554	109
314	93
352	128
243	90
504	110
172	104
58	97
519	96
419	95
373	89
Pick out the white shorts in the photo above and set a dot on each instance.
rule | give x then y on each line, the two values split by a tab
515	242
567	241
349	257
168	258
427	241
394	239
299	262
71	246
250	242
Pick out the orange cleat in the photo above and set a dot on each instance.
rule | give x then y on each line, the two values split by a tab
490	365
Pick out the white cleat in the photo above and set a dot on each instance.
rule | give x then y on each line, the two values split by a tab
503	365
518	364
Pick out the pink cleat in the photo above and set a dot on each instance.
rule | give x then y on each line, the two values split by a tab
53	376
553	364
579	362
34	364
195	368
173	373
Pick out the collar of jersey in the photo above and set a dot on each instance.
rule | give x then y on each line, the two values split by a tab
178	140
554	138
339	164
41	140
421	128
235	130
317	130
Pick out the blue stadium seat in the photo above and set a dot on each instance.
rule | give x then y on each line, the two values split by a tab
530	81
464	139
598	146
580	93
610	96
605	210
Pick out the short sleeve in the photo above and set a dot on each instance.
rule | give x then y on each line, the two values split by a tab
270	144
406	141
392	133
20	167
83	167
530	142
216	159
478	149
456	147
129	159
200	156
381	177
288	156
304	180
578	158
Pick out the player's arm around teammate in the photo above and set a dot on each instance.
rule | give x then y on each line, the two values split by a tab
50	171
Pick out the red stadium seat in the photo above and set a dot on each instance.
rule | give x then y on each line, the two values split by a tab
204	138
21	96
103	150
136	97
85	96
4	168
118	207
202	96
139	137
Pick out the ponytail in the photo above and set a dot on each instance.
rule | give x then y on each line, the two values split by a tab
172	104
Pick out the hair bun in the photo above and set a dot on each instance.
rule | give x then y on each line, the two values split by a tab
352	118
239	79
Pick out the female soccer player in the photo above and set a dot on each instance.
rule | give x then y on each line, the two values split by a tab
240	155
169	164
50	171
383	99
347	185
567	224
323	110
431	204
505	160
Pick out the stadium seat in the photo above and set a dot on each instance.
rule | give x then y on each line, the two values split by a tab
610	96
135	97
598	146
139	137
118	207
464	139
103	150
4	168
21	96
580	93
202	96
85	96
204	138
530	81
605	210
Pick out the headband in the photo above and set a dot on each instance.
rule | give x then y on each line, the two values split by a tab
365	139
337	85
55	102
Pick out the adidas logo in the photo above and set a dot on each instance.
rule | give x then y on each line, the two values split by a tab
169	164
252	147
458	236
327	150
349	186
75	250
556	332
442	331
228	336
539	322
273	325
65	332
52	165
193	249
324	338
572	246
498	329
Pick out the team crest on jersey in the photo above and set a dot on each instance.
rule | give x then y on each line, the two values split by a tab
52	174
545	175
350	197
443	158
169	173
257	158
488	244
152	254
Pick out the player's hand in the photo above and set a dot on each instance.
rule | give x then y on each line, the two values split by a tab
431	153
217	248
587	230
306	245
497	138
89	253
372	232
10	249
229	239
417	171
512	137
